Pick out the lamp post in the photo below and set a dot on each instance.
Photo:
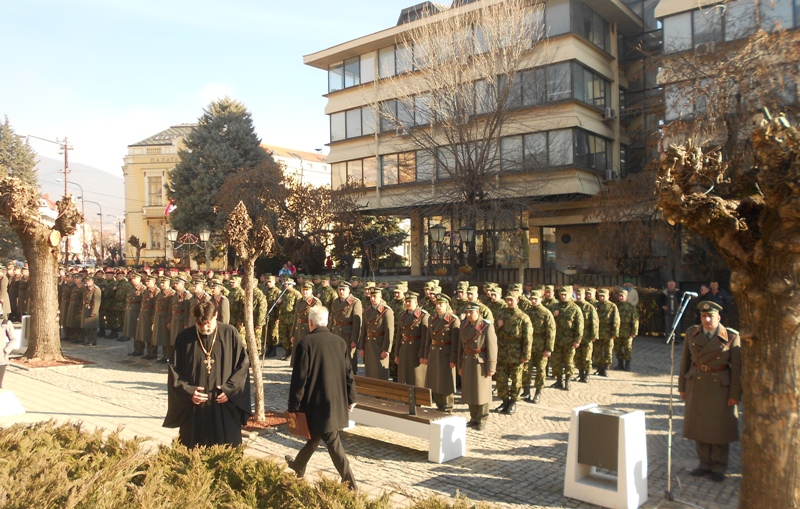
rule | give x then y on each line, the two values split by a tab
172	236
101	227
63	148
466	234
437	236
188	239
205	234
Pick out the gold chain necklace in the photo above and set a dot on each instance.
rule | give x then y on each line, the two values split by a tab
209	361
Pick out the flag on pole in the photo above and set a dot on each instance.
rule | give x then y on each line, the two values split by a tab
170	207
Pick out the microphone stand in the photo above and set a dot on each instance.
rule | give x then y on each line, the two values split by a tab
266	325
684	303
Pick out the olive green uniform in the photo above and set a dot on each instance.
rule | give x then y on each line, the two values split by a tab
514	339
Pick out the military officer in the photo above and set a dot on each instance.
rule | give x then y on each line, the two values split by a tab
377	336
412	328
477	361
542	346
569	333
259	317
607	331
326	293
199	296
440	354
431	289
144	323
591	324
161	318
63	305
90	316
133	305
270	329
472	298
286	313
628	329
496	303
75	309
710	381
514	339
220	301
179	309
524	303
548	298
398	305
236	304
345	319
305	303
589	294
461	296
118	305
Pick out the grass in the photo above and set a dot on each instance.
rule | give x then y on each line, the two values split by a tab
49	465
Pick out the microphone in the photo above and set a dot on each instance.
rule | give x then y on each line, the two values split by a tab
690	294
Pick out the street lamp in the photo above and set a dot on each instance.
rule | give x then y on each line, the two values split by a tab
205	234
466	234
189	239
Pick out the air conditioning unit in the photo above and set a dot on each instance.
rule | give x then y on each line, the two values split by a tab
610	114
402	131
611	175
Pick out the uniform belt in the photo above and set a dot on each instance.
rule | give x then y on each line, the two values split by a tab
339	324
375	336
441	343
409	338
710	369
470	351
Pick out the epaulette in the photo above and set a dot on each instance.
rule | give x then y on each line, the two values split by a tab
732	330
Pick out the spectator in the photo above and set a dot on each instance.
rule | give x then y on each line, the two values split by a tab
633	295
329	263
670	300
284	272
291	267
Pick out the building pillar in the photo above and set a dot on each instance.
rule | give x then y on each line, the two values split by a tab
417	244
535	247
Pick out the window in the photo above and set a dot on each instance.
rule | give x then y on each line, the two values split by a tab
534	151
404	58
511	153
560	147
407	167
153	151
389	170
155	190
557	17
446	165
368	125
674	103
352	74
593	27
336	77
484	97
425	165
386	62
353	118
776	14
338	123
156	233
338	175
678	32
589	87
707	25
388	115
368	67
405	112
558	82
591	151
534	87
370	172
422	109
740	19
355	171
513	89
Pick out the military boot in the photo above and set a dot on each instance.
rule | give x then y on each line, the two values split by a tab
620	365
101	333
538	396
627	365
271	351
502	408
114	334
510	408
566	383
558	384
584	377
603	372
526	393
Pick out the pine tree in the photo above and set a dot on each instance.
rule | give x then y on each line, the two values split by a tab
223	144
17	159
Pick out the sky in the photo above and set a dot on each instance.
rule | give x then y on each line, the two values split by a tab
110	73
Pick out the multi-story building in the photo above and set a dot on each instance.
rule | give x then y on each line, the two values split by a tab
567	139
146	172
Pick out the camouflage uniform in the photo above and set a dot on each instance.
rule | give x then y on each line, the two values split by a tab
628	329
326	295
236	307
583	354
117	309
271	327
286	318
608	331
496	306
259	315
514	339
544	335
569	330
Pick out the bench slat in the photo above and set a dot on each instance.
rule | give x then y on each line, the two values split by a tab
392	390
395	409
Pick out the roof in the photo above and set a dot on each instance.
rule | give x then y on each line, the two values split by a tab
165	137
290	153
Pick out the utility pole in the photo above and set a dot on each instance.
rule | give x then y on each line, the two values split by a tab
64	148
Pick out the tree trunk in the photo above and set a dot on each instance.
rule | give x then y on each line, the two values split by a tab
248	281
771	350
45	343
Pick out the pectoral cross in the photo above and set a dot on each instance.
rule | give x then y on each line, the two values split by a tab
208	362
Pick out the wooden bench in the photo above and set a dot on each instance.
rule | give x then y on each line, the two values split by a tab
401	408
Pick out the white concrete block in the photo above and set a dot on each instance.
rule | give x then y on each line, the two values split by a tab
9	404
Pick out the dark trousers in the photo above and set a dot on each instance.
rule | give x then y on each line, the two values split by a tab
138	346
478	413
335	449
444	401
713	457
89	336
2	374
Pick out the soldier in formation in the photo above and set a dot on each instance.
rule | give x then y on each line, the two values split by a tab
377	336
514	338
542	346
286	313
440	355
477	362
569	333
583	354
144	324
607	332
628	329
412	329
345	320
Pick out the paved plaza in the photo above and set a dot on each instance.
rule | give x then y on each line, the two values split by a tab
517	461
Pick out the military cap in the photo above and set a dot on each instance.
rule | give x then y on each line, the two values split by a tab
374	291
472	306
536	294
441	297
133	273
565	290
161	279
603	292
463	285
269	278
150	277
354	278
496	290
516	287
237	277
344	284
369	284
308	285
288	281
528	283
709	306
589	289
436	289
472	289
430	284
324	278
628	280
214	283
199	280
181	277
550	288
623	291
411	295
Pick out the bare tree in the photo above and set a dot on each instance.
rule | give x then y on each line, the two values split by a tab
460	116
137	246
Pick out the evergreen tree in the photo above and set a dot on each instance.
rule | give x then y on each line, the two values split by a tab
223	144
17	159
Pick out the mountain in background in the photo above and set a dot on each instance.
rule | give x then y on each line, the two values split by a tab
99	186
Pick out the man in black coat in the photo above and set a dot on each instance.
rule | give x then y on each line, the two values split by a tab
323	387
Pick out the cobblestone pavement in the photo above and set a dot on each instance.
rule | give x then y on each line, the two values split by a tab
517	461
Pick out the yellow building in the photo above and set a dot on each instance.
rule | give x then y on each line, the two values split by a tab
564	143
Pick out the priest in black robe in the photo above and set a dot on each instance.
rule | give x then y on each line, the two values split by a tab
209	382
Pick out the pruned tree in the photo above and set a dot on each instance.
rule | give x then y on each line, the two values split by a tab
20	204
752	215
460	118
137	245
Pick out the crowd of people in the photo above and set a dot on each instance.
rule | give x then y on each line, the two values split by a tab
485	342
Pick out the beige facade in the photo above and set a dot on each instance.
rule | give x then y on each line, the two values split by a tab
585	137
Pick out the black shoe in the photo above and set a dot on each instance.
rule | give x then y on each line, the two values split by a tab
558	384
481	425
566	383
627	365
510	408
113	335
290	462
603	372
526	393
161	361
271	351
150	357
123	339
101	333
471	423
717	476
699	472
287	356
537	397
135	354
502	407
620	365
584	379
